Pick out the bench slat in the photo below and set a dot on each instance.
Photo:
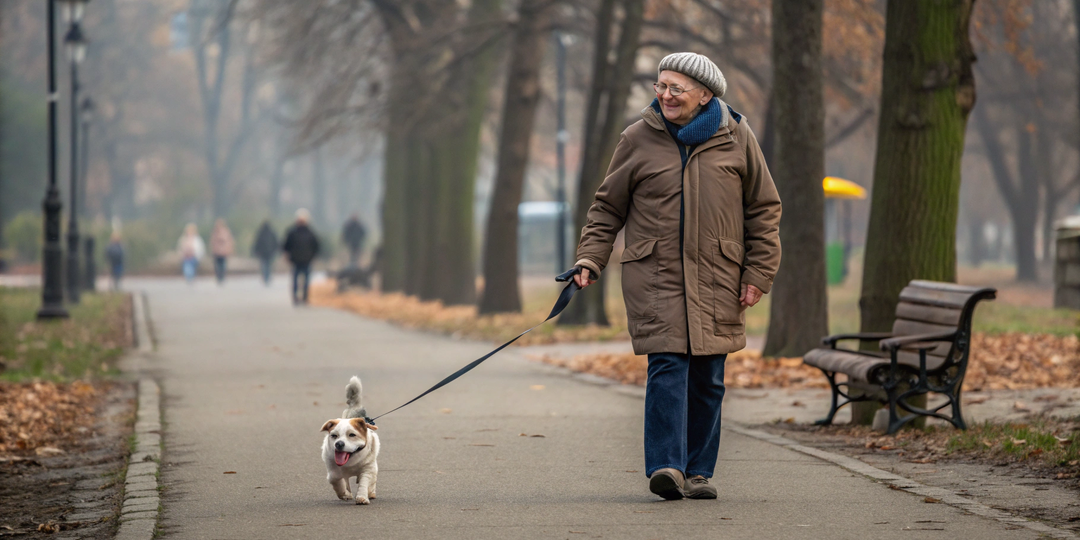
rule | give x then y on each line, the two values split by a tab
928	314
935	297
905	327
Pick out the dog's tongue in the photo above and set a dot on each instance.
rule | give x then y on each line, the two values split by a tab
341	458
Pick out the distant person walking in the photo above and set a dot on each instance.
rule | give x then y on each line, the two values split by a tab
115	254
264	249
301	246
222	246
353	235
192	249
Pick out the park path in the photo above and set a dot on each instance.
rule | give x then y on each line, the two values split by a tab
248	380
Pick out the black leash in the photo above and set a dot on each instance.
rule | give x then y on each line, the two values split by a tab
560	304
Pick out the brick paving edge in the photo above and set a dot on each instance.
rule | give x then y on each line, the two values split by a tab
137	522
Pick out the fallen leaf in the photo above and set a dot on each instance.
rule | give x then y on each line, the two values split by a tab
931	500
536	387
537	436
1018	442
229	472
48	451
1020	406
446	411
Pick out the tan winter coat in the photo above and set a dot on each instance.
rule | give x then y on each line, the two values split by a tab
686	297
221	242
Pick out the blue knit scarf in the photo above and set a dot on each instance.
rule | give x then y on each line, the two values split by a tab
703	126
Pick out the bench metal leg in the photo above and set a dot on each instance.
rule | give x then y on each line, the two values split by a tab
837	393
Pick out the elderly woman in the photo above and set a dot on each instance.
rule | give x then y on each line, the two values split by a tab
689	185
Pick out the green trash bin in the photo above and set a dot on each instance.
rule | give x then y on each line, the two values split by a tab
835	267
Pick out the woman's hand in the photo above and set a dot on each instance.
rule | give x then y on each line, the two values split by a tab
582	279
750	295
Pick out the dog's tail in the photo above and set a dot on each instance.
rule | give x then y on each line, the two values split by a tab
353	397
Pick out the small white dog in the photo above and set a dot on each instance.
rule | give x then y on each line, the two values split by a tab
350	449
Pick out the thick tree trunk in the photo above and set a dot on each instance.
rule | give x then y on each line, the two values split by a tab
455	269
501	290
798	314
614	87
928	89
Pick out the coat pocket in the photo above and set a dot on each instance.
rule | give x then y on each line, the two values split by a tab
727	277
639	276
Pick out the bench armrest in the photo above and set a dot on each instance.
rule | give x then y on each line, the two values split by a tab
866	336
916	341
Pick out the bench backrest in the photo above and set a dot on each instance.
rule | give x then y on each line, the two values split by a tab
931	306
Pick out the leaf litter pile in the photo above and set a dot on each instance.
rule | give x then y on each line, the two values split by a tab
41	418
1006	361
458	321
1013	361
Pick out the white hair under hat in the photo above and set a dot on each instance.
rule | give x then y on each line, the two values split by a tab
303	214
697	67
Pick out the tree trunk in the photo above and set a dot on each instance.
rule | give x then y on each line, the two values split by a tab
459	151
611	82
318	192
798	314
1021	196
501	290
928	89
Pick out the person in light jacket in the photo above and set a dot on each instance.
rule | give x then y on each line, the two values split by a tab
690	189
192	249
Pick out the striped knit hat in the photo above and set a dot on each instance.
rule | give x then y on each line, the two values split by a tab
698	67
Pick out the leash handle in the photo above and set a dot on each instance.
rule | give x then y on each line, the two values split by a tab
568	275
560	304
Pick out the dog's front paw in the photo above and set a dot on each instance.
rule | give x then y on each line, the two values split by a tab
362	500
345	496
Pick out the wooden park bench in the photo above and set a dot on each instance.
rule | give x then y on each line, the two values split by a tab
927	351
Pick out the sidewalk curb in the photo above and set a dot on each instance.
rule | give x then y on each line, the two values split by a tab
142	500
891	480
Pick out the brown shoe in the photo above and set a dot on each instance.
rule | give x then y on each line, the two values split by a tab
667	483
697	487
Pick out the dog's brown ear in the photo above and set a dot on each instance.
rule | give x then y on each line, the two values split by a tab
371	426
329	425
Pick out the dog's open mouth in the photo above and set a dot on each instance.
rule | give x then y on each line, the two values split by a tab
341	458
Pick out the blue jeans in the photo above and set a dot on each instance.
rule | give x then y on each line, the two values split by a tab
190	265
683	396
300	270
265	266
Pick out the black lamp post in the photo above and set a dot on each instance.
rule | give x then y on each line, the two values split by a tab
89	264
52	291
75	44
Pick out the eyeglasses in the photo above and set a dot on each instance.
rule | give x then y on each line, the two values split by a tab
676	91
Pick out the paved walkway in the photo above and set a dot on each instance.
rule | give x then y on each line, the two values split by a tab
248	380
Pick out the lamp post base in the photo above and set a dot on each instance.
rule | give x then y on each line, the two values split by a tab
52	258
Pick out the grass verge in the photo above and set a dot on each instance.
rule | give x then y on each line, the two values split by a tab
86	345
1051	442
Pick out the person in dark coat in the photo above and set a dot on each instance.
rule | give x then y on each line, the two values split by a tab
352	235
265	248
301	246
